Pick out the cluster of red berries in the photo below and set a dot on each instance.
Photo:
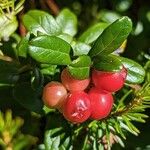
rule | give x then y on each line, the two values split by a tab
77	101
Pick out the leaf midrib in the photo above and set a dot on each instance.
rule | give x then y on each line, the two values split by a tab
49	49
37	22
108	43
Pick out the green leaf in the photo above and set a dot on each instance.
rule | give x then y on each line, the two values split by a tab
112	37
9	72
108	63
123	5
108	16
23	142
147	69
27	97
66	145
51	143
67	21
118	128
41	147
57	131
22	47
80	48
138	28
79	73
66	37
92	33
50	70
82	61
39	21
126	127
80	68
131	127
120	141
50	49
136	72
94	147
85	142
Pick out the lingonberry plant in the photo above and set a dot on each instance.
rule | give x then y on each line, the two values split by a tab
70	86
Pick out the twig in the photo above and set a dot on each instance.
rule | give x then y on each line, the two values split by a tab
6	58
22	29
136	87
53	6
25	68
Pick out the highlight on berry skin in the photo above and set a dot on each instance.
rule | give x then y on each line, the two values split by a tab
109	81
54	93
77	108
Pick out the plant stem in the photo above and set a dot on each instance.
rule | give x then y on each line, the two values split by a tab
53	6
22	29
25	68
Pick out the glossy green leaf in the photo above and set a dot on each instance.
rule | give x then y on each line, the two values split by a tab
67	21
28	97
80	68
81	61
49	70
136	72
112	37
39	21
22	47
108	63
66	37
92	33
9	72
50	49
80	48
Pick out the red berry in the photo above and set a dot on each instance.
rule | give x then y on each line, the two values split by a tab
54	93
73	84
77	108
109	81
101	103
